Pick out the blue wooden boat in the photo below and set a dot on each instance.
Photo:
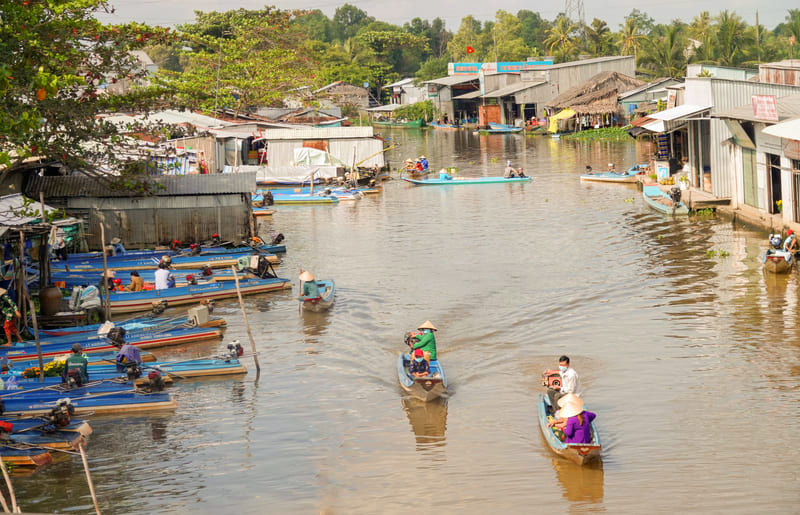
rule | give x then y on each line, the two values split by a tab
465	181
27	352
135	323
327	290
130	302
178	262
100	403
144	253
339	192
425	388
32	457
68	280
299	198
501	128
578	453
628	176
181	370
662	202
443	126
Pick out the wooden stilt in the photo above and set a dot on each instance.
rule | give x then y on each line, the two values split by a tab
246	323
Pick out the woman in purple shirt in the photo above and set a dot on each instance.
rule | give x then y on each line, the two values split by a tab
573	420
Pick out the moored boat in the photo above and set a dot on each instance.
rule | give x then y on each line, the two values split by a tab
629	176
304	199
777	261
412	124
105	402
465	180
323	301
501	128
663	202
444	126
578	453
124	263
204	251
426	388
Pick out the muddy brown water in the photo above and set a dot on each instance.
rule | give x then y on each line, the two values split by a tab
691	361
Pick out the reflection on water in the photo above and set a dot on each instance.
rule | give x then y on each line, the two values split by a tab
580	484
428	421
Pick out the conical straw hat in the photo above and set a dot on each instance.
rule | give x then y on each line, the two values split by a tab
570	398
306	276
570	410
428	325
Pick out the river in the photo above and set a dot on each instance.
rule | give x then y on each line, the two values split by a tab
691	360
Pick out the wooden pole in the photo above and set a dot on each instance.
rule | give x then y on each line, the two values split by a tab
89	477
14	506
246	323
106	296
32	307
251	217
21	280
3	501
44	263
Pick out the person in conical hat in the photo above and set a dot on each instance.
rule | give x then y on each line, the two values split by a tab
308	285
425	340
10	315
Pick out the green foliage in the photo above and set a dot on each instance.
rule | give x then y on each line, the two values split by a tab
663	56
717	253
433	68
602	134
561	39
421	110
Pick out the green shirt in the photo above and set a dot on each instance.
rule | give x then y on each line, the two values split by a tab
78	361
426	342
310	289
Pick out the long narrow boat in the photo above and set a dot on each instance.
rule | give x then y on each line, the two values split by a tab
131	302
465	181
263	211
204	251
179	262
576	452
501	128
132	324
22	425
662	202
163	339
777	261
425	388
444	126
304	199
413	124
323	301
628	176
107	402
68	280
61	440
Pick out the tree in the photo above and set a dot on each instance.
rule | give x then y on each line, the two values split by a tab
57	58
533	28
561	41
645	23
253	62
630	38
732	38
348	20
664	56
433	68
598	38
508	44
467	36
315	25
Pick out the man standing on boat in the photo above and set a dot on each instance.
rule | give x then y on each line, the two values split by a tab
426	340
570	382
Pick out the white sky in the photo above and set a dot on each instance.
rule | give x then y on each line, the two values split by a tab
172	12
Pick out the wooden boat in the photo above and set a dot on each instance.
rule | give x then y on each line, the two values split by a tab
34	457
131	302
777	261
182	369
204	251
465	180
662	202
21	425
62	440
423	388
106	402
628	176
68	280
321	302
300	199
444	126
413	124
576	452
500	128
144	322
123	263
143	341
262	211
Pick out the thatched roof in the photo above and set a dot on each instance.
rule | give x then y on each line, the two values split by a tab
597	95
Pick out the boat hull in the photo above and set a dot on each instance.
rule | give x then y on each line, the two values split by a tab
655	198
324	301
423	388
609	177
580	454
462	182
777	263
178	262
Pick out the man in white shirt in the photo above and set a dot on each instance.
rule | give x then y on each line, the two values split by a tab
162	275
570	382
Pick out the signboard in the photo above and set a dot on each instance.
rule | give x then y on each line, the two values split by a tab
764	107
433	91
503	67
672	96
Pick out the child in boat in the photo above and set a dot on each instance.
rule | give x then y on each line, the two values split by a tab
418	367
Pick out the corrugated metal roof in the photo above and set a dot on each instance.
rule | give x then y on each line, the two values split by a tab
645	87
170	116
385	108
452	80
511	89
586	61
401	82
787	107
12	212
790	129
317	133
468	96
85	186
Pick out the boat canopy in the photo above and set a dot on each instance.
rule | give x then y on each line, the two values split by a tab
561	115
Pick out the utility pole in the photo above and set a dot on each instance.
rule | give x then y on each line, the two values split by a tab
573	10
758	37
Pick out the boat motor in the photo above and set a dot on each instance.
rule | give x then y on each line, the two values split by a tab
159	306
154	383
133	370
175	244
277	238
235	350
215	238
190	278
675	195
6	428
268	198
551	379
61	414
74	378
195	249
206	271
775	240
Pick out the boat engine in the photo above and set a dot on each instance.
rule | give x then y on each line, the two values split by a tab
277	238
409	336
675	195
775	240
74	379
5	430
159	307
268	198
154	383
551	380
133	370
235	351
61	414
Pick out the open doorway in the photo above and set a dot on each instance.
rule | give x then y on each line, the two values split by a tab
774	175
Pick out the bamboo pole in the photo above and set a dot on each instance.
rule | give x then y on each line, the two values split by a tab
13	497
106	296
44	263
88	477
32	307
3	501
246	323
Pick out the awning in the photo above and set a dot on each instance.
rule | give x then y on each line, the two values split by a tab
790	129
669	120
452	80
388	108
469	96
561	115
510	90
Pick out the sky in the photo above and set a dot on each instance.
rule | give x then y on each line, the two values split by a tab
173	12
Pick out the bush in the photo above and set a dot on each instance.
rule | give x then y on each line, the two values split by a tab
424	110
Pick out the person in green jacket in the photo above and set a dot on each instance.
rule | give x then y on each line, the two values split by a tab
77	362
426	341
309	285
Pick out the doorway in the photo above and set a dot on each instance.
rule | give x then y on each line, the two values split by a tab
774	175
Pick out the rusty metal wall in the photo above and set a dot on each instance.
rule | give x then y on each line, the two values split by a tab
146	224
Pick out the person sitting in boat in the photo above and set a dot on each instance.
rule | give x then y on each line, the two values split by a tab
443	175
419	367
137	283
425	340
570	382
512	172
127	354
790	243
194	249
573	420
116	247
76	366
424	162
162	274
309	286
107	282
